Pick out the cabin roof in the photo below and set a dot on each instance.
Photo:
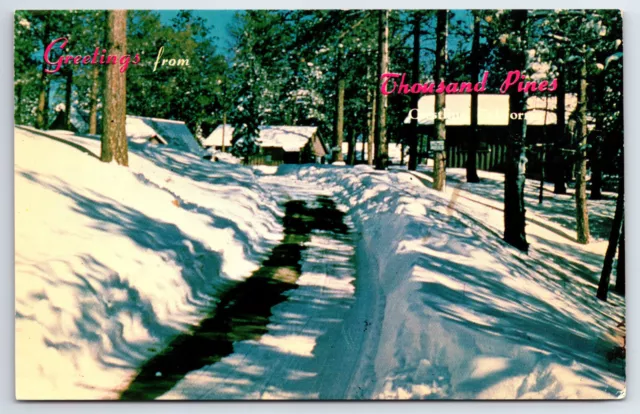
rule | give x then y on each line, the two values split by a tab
172	133
289	138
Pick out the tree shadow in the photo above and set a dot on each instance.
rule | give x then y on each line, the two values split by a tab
244	311
559	209
520	310
106	293
60	140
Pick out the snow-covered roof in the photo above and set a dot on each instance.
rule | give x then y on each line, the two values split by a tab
215	139
493	109
172	133
289	138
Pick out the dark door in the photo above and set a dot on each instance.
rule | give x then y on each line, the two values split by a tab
291	158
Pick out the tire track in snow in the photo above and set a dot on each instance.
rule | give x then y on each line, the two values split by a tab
291	353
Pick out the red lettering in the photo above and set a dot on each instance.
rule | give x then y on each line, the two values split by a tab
512	78
452	88
124	63
47	52
465	87
428	87
531	87
385	81
543	86
482	86
403	88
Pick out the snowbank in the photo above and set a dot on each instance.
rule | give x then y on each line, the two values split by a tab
112	262
556	210
219	156
458	314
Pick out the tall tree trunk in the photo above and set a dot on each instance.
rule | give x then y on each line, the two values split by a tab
620	287
42	118
514	207
582	214
472	171
340	121
42	113
93	100
351	153
596	167
372	129
614	235
67	98
18	105
114	137
224	126
365	131
596	150
543	160
415	75
439	159
381	149
559	164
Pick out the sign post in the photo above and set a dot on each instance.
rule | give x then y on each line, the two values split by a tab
436	145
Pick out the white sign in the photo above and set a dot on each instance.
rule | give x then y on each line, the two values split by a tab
436	145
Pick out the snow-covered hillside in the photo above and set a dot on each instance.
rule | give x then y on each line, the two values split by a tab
112	262
460	314
419	299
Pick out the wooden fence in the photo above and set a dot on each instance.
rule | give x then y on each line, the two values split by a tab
491	158
261	159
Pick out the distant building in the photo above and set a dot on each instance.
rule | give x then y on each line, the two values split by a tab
493	133
220	138
395	151
278	144
174	134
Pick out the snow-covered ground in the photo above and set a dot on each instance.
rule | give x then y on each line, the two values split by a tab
309	351
422	299
460	314
559	210
112	262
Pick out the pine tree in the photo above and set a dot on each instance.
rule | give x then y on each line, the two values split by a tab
114	137
620	287
415	76
27	68
340	118
472	172
42	117
439	172
582	214
514	207
381	155
614	235
559	159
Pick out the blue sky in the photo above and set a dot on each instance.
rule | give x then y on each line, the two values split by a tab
218	19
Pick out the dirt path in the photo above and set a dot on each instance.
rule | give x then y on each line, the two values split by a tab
280	333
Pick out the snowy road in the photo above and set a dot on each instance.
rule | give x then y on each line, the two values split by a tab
178	281
304	353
